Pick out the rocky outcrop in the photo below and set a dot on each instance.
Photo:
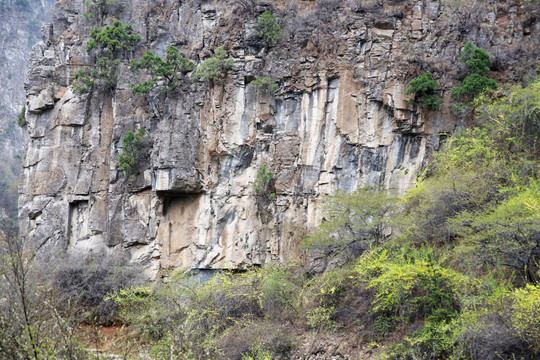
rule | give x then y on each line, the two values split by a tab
340	120
20	23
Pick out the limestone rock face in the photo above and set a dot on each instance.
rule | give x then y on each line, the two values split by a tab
20	23
340	120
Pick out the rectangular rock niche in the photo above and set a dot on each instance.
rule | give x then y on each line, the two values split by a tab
78	225
178	230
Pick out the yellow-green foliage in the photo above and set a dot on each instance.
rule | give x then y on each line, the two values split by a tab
322	294
513	118
261	185
186	318
526	315
358	219
478	170
507	234
202	312
471	149
132	300
280	291
411	284
257	352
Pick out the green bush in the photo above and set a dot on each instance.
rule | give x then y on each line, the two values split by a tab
411	285
114	38
508	233
423	88
479	63
169	69
268	28
192	328
224	316
513	118
526	315
84	81
280	290
353	222
104	73
474	85
21	119
108	45
266	83
135	149
261	185
321	300
215	68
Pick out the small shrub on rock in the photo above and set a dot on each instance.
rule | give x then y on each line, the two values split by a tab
135	149
479	63
215	68
21	119
170	70
268	28
266	83
423	88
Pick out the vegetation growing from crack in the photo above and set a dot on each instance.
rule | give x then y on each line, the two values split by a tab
479	63
268	28
21	119
170	70
424	90
114	40
108	46
134	151
262	184
265	83
264	194
216	67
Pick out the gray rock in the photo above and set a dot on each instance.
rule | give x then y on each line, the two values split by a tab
340	120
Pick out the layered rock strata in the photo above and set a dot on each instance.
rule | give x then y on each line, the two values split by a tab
340	120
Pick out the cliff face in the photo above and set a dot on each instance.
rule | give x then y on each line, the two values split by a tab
338	121
20	23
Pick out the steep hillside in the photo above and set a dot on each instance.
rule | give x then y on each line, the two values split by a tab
339	119
20	23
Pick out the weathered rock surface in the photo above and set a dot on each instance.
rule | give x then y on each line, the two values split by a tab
340	120
20	23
